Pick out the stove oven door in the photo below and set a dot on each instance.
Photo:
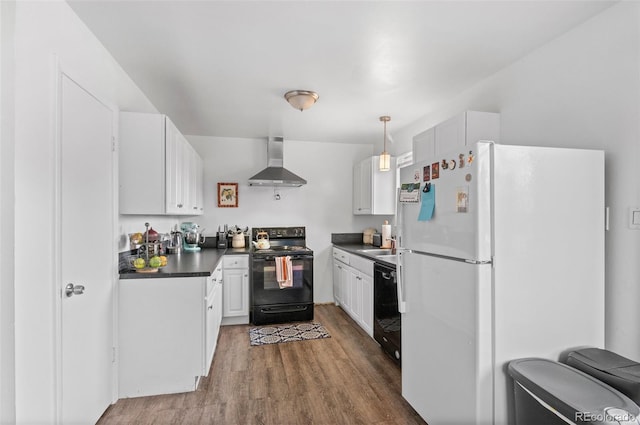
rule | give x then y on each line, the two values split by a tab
265	288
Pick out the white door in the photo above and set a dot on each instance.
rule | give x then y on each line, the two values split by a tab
87	254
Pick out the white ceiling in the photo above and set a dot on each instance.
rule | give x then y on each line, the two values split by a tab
221	68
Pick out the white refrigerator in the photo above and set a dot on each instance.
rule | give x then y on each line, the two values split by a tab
501	256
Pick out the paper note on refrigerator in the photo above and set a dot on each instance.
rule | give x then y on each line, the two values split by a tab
428	204
410	192
462	199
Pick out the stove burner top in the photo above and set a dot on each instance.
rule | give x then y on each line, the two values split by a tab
282	241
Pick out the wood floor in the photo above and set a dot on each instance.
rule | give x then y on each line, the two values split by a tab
345	379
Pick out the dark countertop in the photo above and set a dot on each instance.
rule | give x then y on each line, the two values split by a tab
188	264
356	248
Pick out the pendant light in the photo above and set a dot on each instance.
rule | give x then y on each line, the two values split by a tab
385	158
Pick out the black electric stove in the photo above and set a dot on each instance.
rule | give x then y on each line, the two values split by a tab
271	301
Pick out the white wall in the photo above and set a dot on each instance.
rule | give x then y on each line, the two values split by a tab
42	30
580	90
323	205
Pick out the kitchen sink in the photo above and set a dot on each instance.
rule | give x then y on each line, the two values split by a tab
376	252
387	257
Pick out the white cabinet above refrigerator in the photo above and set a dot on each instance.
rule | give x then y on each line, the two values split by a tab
460	130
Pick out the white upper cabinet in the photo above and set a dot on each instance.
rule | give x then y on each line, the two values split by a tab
160	172
461	130
424	145
374	191
194	197
199	184
362	187
176	149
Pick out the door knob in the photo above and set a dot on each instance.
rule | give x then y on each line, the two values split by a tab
71	290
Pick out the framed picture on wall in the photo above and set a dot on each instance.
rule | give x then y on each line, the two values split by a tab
227	195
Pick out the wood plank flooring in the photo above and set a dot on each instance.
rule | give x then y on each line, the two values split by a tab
345	379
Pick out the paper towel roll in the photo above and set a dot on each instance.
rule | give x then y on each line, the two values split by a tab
386	235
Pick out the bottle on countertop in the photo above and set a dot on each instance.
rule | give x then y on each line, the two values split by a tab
386	235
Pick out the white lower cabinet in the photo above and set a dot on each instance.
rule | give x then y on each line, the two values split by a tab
213	315
235	289
161	333
168	329
367	302
337	282
353	287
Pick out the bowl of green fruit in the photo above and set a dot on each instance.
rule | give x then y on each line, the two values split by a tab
155	263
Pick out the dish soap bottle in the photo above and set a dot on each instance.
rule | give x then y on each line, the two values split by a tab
386	235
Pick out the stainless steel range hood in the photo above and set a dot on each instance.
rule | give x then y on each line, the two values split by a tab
275	174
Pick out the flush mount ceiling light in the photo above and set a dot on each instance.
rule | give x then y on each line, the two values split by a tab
385	158
301	99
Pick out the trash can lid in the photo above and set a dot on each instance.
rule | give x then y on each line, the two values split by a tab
569	390
606	361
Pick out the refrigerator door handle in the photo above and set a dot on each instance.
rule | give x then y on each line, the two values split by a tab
402	305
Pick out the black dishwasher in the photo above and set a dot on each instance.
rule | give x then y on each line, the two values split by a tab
386	318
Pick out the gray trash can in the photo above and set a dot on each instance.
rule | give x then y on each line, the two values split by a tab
611	368
550	393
